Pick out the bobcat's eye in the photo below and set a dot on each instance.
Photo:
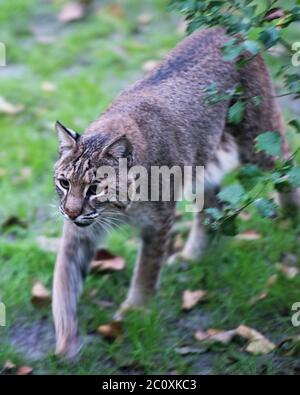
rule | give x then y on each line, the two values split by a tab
64	183
92	190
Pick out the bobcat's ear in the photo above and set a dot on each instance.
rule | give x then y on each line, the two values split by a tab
120	147
67	137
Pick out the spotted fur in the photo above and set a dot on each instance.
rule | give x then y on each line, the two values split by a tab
163	119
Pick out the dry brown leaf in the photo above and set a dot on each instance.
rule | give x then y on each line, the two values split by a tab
259	297
272	280
191	298
48	86
71	12
248	235
201	335
149	65
220	336
40	295
50	244
258	344
9	108
24	370
111	331
216	335
105	262
289	271
260	347
8	367
115	10
144	19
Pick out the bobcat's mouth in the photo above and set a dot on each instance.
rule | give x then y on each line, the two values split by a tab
83	224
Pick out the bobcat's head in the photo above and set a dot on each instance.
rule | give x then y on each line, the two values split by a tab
86	171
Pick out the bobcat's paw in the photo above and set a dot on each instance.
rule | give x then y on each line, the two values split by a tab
129	305
68	348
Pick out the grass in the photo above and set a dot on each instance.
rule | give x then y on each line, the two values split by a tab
89	62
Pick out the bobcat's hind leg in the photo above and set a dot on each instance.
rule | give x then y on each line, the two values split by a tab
225	160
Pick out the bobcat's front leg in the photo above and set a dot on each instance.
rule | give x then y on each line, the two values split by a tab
76	251
153	252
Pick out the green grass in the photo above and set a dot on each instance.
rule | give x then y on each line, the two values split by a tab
89	62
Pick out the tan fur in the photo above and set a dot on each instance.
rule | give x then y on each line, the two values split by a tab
160	120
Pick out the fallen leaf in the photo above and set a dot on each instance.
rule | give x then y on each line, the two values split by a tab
289	271
260	347
24	370
215	336
49	244
111	331
201	335
115	10
220	336
72	11
40	295
8	367
48	86
248	235
149	65
259	297
9	108
258	344
272	280
105	262
144	19
191	298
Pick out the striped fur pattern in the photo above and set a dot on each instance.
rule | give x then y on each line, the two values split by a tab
163	119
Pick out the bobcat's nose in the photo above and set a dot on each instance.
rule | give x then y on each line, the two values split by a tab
72	214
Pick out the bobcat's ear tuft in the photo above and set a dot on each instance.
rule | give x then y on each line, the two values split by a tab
67	137
119	148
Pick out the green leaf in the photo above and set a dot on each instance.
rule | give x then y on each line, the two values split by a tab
269	37
270	143
249	176
295	124
294	176
232	194
214	213
266	207
236	112
251	46
229	226
231	50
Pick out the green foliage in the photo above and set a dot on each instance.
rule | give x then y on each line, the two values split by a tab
236	112
269	142
253	28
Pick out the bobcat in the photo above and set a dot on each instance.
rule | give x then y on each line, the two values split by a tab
162	119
